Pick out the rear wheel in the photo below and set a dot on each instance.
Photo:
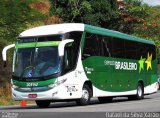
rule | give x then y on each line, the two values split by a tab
86	96
43	103
140	93
105	99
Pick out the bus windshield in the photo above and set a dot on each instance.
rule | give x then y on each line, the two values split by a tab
36	61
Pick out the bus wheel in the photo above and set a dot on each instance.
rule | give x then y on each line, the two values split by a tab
140	92
105	99
43	103
86	96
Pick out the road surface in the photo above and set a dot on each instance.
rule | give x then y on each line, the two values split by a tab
150	103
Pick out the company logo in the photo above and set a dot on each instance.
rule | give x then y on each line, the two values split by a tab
148	61
121	65
30	73
125	66
131	65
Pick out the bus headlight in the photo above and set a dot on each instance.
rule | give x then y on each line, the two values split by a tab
11	82
15	87
57	83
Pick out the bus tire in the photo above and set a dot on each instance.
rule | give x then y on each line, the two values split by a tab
86	96
140	92
43	103
105	99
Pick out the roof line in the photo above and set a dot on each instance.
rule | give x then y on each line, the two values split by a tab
107	32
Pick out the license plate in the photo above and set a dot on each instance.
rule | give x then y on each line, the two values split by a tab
32	95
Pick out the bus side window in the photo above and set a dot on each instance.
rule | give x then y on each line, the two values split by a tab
130	49
141	50
68	58
106	46
118	49
71	53
90	46
152	50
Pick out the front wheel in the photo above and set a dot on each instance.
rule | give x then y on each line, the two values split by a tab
86	96
43	103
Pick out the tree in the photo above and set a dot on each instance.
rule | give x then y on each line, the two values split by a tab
150	27
93	12
133	12
140	20
14	15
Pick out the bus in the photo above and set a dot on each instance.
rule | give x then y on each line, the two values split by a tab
77	62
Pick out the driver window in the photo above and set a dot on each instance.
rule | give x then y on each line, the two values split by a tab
68	61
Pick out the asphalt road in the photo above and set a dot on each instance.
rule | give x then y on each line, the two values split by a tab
150	103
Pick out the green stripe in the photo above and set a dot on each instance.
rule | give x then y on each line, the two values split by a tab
26	45
38	44
50	43
39	83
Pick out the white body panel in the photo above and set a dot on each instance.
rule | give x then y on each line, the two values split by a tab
52	29
151	89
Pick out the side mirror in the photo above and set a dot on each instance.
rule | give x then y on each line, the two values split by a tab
4	53
62	46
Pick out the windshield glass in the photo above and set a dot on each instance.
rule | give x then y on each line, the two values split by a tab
36	61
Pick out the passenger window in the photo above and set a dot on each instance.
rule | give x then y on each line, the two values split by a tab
141	50
130	49
90	46
106	46
118	49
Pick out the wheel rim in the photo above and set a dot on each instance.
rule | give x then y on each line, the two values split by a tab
139	91
85	94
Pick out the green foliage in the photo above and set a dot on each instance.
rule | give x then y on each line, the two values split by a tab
136	9
93	12
14	15
140	20
132	13
150	26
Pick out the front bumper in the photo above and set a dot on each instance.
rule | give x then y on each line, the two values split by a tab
57	93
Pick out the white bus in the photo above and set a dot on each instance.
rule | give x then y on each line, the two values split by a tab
74	61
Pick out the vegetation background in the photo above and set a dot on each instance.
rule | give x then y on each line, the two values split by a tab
128	16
